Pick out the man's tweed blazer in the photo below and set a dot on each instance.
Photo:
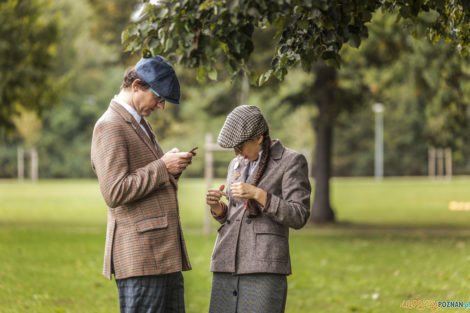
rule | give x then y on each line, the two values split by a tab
144	235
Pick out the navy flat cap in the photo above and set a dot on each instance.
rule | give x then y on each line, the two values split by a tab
161	77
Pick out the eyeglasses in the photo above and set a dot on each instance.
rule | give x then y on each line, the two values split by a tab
159	98
239	147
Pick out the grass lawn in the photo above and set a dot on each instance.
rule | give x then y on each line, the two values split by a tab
394	241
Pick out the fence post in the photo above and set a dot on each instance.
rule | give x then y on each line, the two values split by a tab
432	163
440	163
209	174
448	153
20	164
34	165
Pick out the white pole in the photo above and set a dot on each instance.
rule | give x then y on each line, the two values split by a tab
448	157
440	163
432	162
20	164
379	146
209	179
34	165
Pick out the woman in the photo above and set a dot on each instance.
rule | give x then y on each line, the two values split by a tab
268	191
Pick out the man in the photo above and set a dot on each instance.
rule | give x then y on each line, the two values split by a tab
145	248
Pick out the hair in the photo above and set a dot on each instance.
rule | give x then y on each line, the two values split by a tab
253	207
130	76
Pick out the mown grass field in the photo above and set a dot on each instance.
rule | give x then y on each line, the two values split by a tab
394	241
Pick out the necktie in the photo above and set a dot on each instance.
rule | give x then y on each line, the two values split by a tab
149	131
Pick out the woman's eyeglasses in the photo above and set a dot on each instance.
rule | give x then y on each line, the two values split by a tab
239	147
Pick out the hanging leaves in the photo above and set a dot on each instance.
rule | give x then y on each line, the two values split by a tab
197	33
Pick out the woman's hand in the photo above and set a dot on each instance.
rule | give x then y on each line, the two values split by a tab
213	197
247	191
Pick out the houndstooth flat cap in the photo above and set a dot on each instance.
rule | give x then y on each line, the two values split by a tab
245	122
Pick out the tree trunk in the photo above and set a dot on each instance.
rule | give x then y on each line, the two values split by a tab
322	211
325	99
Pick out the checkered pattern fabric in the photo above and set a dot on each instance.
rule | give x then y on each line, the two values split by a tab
152	294
254	293
144	235
245	122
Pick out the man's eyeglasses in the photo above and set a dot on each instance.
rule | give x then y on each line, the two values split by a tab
159	98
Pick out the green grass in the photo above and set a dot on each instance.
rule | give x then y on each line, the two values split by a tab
394	241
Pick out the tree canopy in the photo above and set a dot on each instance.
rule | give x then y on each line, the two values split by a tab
28	45
199	33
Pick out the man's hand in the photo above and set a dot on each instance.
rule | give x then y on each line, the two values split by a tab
176	161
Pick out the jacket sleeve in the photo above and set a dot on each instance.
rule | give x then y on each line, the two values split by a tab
110	160
222	219
293	208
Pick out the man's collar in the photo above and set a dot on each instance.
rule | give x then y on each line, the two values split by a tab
128	108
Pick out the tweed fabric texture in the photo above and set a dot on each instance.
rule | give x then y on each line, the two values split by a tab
254	293
144	235
152	294
247	245
245	122
160	75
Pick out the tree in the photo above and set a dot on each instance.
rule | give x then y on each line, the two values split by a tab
27	50
203	34
109	16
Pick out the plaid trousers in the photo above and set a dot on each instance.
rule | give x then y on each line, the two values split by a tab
152	294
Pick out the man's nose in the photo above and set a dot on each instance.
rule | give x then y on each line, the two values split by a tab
161	105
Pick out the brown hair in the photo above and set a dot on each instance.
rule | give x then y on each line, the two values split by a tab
130	76
253	206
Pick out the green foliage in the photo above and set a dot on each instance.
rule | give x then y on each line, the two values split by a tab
424	88
28	46
109	18
201	33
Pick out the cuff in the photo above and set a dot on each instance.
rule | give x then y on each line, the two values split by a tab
221	215
162	174
267	204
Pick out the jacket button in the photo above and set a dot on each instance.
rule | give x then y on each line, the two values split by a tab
248	221
228	222
235	293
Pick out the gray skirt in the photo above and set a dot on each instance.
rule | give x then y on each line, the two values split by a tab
251	293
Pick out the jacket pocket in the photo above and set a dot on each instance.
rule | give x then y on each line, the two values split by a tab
151	224
272	243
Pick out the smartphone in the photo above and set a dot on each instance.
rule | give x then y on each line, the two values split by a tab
193	150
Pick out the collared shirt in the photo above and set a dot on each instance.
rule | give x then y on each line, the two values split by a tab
253	164
133	112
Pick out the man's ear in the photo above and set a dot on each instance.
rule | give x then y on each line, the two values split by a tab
260	139
135	85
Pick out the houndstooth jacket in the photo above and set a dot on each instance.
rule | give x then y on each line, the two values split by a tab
144	235
247	245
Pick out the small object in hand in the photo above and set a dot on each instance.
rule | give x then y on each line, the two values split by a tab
192	151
